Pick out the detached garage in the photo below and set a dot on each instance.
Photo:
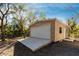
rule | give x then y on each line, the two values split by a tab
43	33
51	29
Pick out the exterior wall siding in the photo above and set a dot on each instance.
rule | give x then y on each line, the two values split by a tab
53	30
59	36
49	30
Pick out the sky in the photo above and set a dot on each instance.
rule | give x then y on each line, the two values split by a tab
61	11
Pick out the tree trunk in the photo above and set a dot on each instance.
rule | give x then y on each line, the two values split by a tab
2	22
2	31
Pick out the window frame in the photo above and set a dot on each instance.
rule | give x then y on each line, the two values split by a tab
60	30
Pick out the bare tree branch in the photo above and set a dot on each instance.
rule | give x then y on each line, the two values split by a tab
1	12
7	9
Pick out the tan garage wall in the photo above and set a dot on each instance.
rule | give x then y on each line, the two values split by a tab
48	29
53	30
59	36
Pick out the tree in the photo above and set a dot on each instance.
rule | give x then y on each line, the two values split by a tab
19	17
42	15
73	28
4	9
9	31
31	17
34	16
77	31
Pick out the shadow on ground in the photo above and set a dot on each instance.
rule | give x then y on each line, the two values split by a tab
54	49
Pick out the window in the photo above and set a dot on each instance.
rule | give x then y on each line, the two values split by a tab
60	29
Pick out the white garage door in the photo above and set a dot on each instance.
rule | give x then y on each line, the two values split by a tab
42	31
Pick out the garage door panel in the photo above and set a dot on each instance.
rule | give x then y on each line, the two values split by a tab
41	31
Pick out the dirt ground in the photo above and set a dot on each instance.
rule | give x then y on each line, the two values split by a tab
7	47
64	48
8	52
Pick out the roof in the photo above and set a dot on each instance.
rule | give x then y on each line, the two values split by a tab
47	21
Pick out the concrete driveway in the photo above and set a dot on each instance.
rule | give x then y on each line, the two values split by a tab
35	43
